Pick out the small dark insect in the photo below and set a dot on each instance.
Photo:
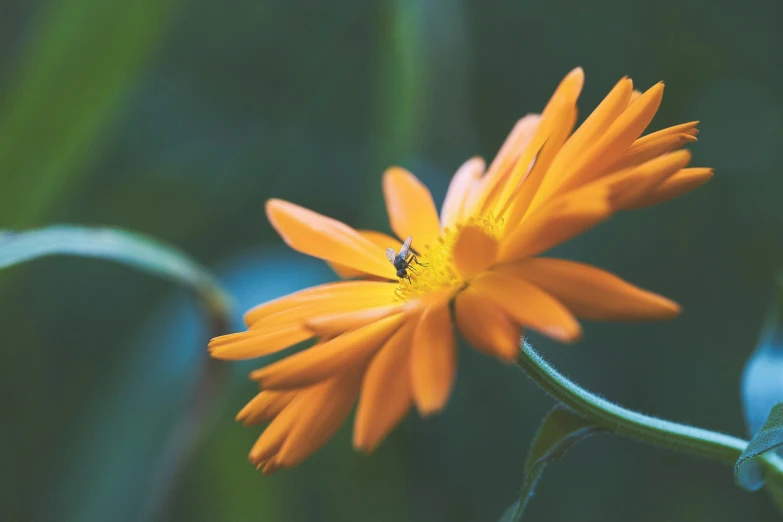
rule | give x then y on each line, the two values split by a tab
402	259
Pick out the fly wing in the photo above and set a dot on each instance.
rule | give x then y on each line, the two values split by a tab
406	247
390	255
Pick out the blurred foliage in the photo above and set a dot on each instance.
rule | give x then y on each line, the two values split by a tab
179	119
762	384
559	431
748	472
81	57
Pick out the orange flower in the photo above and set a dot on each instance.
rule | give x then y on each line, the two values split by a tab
391	341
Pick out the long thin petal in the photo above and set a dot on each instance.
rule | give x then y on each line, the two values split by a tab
384	241
319	308
639	154
386	391
585	137
529	306
568	90
265	406
433	360
683	128
324	361
592	293
337	323
474	252
565	95
555	223
563	119
411	209
256	343
329	404
326	238
677	185
556	123
354	291
613	143
486	326
526	135
460	185
515	144
629	185
553	126
270	441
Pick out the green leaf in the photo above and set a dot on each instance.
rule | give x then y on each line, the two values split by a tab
135	250
559	431
510	515
749	472
762	380
81	59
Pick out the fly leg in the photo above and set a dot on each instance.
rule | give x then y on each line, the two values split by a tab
416	260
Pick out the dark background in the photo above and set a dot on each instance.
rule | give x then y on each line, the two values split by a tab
179	119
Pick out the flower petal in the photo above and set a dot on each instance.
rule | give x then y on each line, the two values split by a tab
474	252
411	209
460	185
563	119
326	238
433	359
265	406
583	139
555	223
526	134
256	343
329	404
657	143
592	293
613	143
337	323
341	292
569	88
677	185
554	125
486	326
629	185
379	238
515	144
683	128
325	360
275	434
386	391
529	306
637	155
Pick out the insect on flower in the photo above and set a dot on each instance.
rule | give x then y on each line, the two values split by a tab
390	343
402	260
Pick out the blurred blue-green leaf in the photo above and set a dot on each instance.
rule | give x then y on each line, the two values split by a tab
83	57
559	431
748	472
762	381
135	250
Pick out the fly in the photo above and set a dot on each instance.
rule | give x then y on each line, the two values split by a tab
402	259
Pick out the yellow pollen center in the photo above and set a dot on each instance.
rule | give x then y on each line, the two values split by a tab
436	271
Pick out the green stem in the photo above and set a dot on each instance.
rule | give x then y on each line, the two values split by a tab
650	430
196	417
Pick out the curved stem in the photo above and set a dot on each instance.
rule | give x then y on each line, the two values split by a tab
191	427
651	430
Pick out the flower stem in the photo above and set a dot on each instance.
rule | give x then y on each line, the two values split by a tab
646	429
195	420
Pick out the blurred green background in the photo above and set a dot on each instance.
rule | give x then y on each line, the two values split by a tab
179	119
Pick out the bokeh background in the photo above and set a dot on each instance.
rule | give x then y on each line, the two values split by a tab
179	119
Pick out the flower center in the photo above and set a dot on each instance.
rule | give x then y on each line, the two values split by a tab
435	270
